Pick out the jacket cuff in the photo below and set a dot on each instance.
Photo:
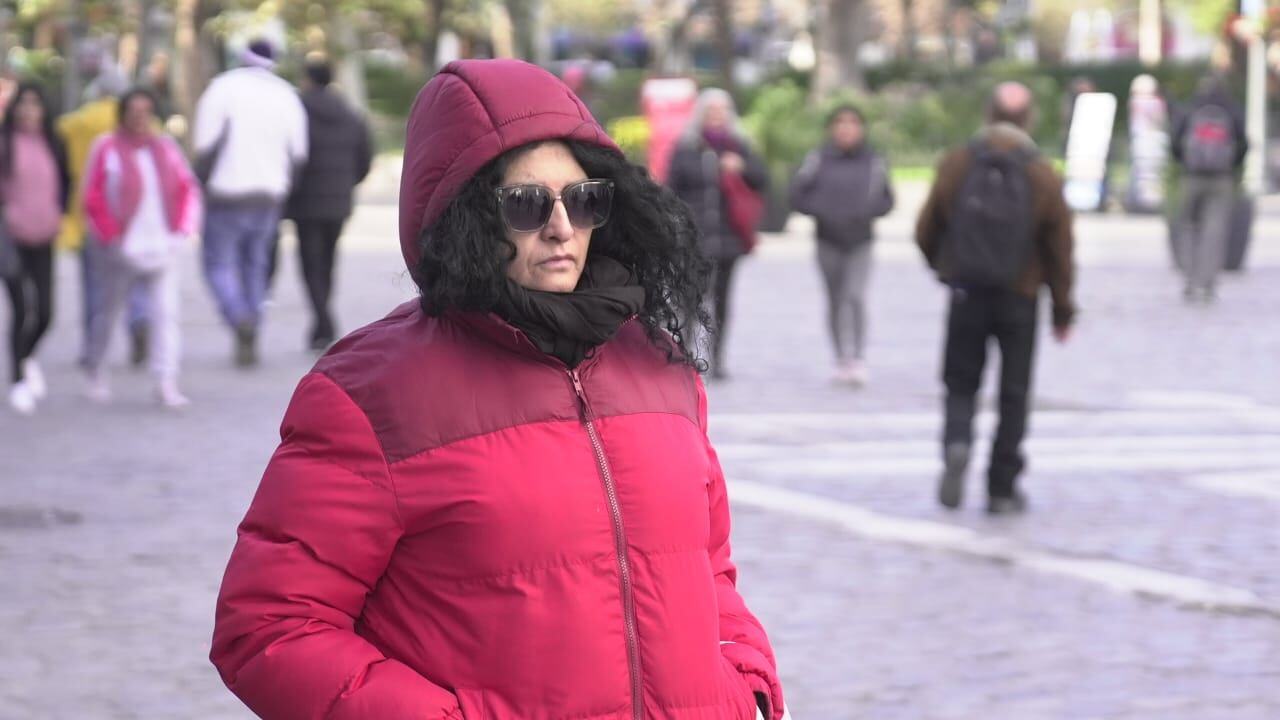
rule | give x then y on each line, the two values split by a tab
759	674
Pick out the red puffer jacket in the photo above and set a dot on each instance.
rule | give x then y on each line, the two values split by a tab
456	525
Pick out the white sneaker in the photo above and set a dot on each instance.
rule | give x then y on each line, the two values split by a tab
859	375
97	388
169	395
34	378
21	399
853	372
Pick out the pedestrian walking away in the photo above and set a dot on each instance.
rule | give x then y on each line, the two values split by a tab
33	192
845	186
995	228
142	202
339	158
466	517
250	142
79	130
1209	144
712	167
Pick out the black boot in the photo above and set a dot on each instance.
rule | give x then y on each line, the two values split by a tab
246	345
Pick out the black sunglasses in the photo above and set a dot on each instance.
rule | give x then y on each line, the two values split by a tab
527	208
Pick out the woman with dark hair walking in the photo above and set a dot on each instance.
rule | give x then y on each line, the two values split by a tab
500	501
845	186
33	189
713	153
142	202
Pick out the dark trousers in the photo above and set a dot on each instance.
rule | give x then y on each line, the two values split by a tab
976	317
31	298
721	290
317	249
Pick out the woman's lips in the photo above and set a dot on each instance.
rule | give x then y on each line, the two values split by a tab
560	262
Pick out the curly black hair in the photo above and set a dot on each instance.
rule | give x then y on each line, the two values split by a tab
465	252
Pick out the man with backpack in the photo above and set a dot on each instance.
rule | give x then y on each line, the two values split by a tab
995	228
1210	144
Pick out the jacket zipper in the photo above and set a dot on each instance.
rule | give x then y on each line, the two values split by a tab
620	547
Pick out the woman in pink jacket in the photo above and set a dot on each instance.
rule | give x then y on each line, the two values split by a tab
499	502
142	202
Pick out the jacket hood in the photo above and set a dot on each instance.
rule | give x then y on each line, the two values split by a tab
471	112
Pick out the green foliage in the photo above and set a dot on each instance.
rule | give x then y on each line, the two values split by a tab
392	89
632	136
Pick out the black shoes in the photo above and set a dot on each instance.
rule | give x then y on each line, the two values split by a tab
246	345
1014	504
956	464
951	486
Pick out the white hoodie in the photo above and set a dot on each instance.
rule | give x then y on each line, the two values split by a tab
250	137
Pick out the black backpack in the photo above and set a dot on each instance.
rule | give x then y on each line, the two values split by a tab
989	238
1209	144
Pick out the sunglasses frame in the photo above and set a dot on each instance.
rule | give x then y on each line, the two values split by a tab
499	192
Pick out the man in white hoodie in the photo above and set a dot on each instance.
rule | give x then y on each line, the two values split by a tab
250	141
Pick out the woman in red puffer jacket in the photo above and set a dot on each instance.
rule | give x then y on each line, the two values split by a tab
500	502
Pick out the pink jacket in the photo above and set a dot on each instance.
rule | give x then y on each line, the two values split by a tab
111	194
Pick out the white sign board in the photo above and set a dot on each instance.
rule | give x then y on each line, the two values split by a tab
1088	144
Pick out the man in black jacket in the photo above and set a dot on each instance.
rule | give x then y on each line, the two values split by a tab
339	158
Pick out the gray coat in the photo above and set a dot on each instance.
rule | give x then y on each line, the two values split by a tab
845	192
694	176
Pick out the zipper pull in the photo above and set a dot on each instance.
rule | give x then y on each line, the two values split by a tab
582	394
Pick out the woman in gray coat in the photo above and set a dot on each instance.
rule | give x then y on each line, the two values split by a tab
845	186
713	144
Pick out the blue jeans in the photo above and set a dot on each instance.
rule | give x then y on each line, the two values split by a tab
138	312
237	251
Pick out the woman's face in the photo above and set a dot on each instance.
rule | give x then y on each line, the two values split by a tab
29	112
846	131
717	115
550	259
138	115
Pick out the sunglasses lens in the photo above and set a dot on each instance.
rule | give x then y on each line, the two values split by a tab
526	208
588	204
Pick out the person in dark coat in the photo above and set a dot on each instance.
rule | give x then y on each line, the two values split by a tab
712	145
845	186
339	158
1209	144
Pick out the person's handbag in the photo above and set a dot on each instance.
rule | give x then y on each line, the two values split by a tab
745	208
10	262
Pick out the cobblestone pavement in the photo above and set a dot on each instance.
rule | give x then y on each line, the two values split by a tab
1156	447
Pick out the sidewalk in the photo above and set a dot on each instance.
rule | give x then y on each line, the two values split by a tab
1141	586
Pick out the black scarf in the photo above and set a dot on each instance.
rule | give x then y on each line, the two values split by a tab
570	325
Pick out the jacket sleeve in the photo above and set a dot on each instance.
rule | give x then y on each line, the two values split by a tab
315	541
191	203
805	180
884	198
756	172
1057	249
364	150
743	641
931	226
93	196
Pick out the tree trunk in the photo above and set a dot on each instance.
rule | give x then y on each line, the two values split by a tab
523	14
723	10
350	64
910	34
434	10
185	63
840	26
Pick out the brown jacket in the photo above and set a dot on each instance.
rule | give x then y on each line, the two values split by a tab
1053	263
